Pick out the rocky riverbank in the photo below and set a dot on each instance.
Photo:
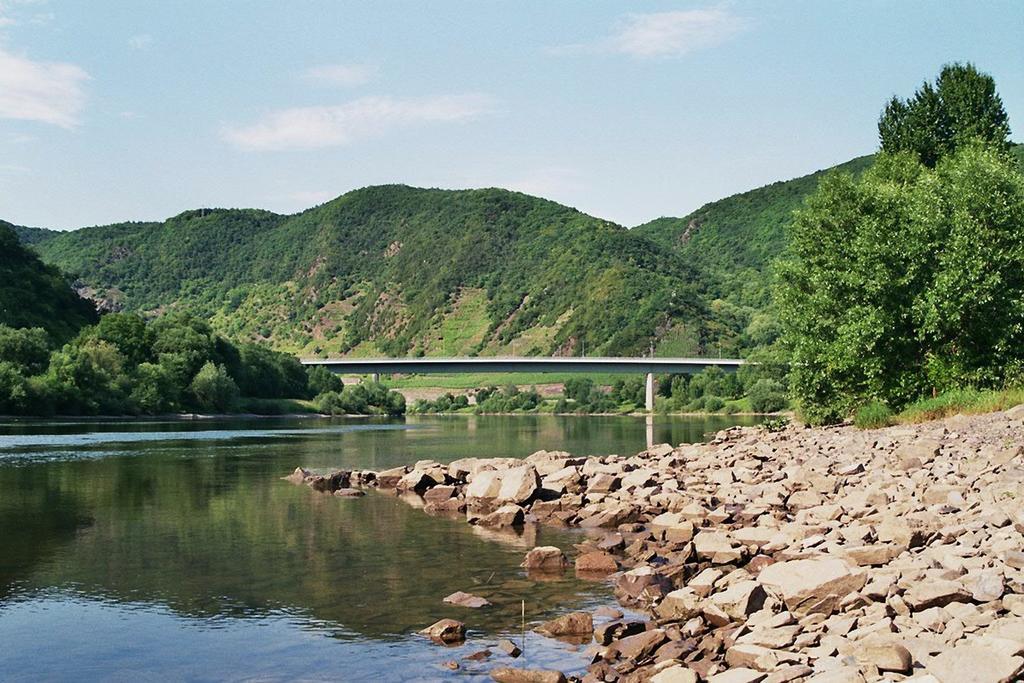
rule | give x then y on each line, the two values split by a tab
827	555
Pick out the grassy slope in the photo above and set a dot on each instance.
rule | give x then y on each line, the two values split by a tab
400	270
33	294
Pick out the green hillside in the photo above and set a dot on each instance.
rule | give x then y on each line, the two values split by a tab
398	270
33	294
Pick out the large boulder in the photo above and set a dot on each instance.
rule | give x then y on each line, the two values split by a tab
546	558
485	484
572	624
507	674
974	663
518	484
506	516
813	585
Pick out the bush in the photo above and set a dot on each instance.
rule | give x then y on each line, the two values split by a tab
873	415
767	396
213	389
713	404
321	380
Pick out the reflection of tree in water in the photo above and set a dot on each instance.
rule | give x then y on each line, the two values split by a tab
37	517
224	536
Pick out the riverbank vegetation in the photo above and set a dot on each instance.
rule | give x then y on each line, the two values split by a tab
909	281
124	365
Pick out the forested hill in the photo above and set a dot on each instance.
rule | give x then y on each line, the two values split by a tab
400	270
733	240
33	294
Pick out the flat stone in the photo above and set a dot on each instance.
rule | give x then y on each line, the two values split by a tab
466	600
640	645
740	599
973	663
738	675
505	516
935	593
886	656
681	604
675	674
509	648
506	674
596	563
813	585
519	484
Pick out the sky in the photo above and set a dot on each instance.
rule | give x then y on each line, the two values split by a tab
138	110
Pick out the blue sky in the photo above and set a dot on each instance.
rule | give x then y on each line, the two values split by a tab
139	109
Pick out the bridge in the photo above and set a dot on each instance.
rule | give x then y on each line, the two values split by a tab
633	366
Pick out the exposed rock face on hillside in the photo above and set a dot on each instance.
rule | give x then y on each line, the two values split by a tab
821	555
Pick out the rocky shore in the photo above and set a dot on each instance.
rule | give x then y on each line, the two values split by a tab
829	555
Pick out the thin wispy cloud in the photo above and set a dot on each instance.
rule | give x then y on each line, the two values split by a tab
48	92
305	128
140	41
666	34
343	75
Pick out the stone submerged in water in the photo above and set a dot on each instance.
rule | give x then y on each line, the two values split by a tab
466	600
446	631
572	624
507	674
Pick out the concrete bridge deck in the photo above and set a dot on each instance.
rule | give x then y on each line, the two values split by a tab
638	366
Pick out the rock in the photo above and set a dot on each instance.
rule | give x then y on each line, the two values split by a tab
446	631
813	585
507	674
603	483
681	604
298	476
973	663
349	493
935	593
738	675
506	516
675	674
640	645
889	656
466	600
439	494
388	479
509	648
328	483
596	563
987	586
518	484
416	480
641	585
740	599
616	630
572	624
486	484
717	547
545	558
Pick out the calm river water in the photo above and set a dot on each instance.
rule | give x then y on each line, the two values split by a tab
173	551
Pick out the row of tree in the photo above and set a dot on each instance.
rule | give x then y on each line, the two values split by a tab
126	365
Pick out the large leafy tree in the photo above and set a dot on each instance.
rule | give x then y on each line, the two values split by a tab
960	107
908	280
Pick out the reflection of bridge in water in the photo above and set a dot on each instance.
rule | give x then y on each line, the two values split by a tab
449	366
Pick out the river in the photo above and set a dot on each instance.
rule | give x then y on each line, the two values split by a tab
172	550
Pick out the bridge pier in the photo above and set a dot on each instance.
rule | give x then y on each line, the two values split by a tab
649	393
375	377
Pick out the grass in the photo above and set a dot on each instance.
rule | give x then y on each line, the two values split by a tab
967	401
961	402
275	406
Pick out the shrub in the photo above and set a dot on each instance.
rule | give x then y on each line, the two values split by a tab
873	415
767	396
713	404
213	389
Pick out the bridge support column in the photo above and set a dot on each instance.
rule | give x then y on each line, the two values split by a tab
375	377
649	394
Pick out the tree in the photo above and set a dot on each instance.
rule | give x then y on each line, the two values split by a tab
767	396
321	380
908	280
26	348
213	389
962	106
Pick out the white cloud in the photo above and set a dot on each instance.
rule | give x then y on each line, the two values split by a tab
345	75
667	34
140	41
49	92
331	126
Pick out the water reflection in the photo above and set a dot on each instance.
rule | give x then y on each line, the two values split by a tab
184	528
